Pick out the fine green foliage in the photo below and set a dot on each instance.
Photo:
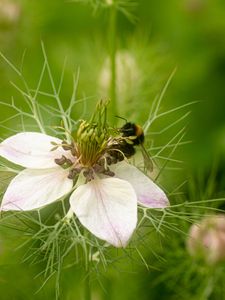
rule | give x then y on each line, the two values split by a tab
162	66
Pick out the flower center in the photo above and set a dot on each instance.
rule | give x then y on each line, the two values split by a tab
91	151
91	143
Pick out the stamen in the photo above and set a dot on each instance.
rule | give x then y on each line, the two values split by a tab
89	174
66	146
73	151
63	162
60	161
91	143
73	173
109	173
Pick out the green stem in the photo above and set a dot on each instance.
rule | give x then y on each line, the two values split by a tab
112	35
87	286
108	288
36	116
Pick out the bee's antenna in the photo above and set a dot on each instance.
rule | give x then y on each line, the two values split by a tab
121	118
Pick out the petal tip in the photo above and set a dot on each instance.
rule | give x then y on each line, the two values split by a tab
154	202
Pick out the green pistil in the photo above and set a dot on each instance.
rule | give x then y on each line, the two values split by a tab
91	143
92	136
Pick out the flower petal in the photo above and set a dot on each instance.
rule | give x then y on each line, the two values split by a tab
32	189
32	150
148	193
108	208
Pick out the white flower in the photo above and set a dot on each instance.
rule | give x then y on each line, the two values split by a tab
105	205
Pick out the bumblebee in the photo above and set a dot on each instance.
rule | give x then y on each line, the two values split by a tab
132	135
134	132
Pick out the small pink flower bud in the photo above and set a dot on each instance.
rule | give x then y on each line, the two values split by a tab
194	6
207	239
10	12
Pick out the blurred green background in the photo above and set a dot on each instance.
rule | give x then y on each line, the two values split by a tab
188	35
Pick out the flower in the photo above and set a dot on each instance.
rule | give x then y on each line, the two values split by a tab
105	190
207	239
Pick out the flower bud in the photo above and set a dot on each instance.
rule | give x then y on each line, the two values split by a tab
10	12
207	239
194	6
127	78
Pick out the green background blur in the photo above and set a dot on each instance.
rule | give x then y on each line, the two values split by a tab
185	34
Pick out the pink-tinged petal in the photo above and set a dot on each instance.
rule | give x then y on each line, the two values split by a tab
32	150
32	189
148	193
107	208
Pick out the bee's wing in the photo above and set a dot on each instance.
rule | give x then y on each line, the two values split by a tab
147	159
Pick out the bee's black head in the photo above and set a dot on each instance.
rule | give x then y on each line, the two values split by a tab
128	129
132	129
